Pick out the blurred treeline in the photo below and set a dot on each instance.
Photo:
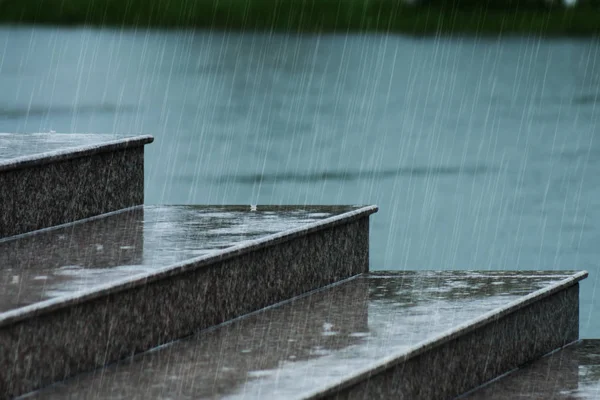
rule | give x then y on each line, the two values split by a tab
510	5
417	17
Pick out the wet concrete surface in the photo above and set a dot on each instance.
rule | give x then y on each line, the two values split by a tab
296	349
52	263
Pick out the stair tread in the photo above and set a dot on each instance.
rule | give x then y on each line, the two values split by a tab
570	373
19	150
310	344
15	145
77	257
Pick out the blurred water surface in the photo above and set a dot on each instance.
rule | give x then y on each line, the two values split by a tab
481	153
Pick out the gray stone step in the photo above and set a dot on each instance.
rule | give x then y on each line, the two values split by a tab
52	179
401	335
570	373
92	292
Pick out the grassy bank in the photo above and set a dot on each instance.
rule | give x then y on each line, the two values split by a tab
306	16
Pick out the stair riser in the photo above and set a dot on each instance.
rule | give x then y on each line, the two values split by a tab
55	193
75	338
462	364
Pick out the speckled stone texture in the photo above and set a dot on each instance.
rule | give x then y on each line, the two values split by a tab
43	195
44	265
6	204
468	361
44	269
79	337
571	373
305	347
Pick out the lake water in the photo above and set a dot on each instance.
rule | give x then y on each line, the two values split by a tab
481	153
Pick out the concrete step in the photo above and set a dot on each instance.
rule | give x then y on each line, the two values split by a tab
401	335
570	373
52	179
92	292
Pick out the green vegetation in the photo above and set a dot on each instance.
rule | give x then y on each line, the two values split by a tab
481	17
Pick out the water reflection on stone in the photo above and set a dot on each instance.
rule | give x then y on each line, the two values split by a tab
59	262
572	373
293	349
22	145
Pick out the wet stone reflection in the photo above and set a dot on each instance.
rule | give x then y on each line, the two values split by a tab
14	146
290	350
571	373
64	261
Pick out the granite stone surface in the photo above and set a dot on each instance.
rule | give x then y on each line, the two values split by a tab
54	187
468	361
570	373
20	150
56	338
399	330
55	263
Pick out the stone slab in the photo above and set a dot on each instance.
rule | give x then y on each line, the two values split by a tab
379	335
570	373
53	179
125	283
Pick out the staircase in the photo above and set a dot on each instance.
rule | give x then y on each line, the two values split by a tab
102	297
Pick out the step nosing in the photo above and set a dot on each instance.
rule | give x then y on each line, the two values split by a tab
51	179
375	333
215	256
78	151
447	336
